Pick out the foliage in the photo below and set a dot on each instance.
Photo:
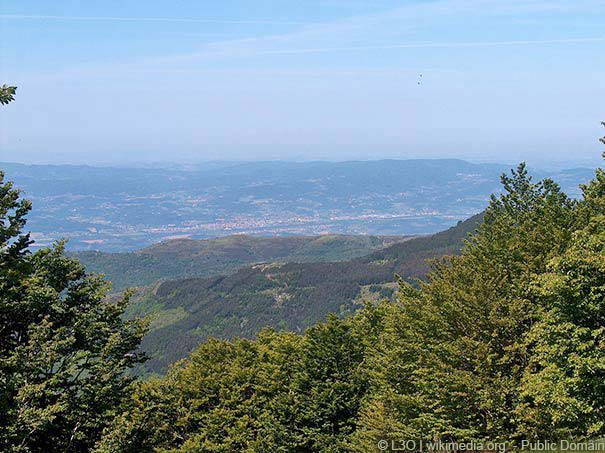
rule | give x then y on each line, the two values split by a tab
64	348
506	341
281	392
450	362
7	94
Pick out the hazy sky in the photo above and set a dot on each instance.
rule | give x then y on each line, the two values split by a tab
282	79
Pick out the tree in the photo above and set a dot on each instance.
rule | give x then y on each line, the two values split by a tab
7	94
280	392
228	396
563	387
64	347
450	358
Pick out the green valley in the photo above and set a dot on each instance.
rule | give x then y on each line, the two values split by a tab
182	258
282	295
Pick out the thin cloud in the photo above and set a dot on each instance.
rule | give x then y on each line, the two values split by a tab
151	19
434	45
426	45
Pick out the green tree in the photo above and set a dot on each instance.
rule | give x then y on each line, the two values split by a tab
450	358
228	396
7	94
64	348
278	393
331	383
563	388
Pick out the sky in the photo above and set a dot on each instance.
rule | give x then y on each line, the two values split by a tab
185	80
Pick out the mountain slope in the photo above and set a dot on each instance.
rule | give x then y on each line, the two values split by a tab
280	295
182	258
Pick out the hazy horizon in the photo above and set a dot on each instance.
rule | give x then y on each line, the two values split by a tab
479	80
146	161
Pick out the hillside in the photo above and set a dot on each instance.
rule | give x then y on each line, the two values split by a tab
281	295
182	258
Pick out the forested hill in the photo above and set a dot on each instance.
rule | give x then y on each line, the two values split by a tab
289	296
182	258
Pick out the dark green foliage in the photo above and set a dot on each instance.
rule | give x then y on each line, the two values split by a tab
63	347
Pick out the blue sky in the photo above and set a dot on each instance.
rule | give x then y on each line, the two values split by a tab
334	79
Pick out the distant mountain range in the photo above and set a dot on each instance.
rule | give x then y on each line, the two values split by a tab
124	209
281	295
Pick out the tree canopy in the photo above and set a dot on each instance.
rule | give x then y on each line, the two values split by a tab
64	347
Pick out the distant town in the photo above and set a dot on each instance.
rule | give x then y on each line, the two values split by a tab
125	209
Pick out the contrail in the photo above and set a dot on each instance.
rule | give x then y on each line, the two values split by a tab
433	45
150	19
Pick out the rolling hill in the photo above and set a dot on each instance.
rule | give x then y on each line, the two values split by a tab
280	295
182	258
